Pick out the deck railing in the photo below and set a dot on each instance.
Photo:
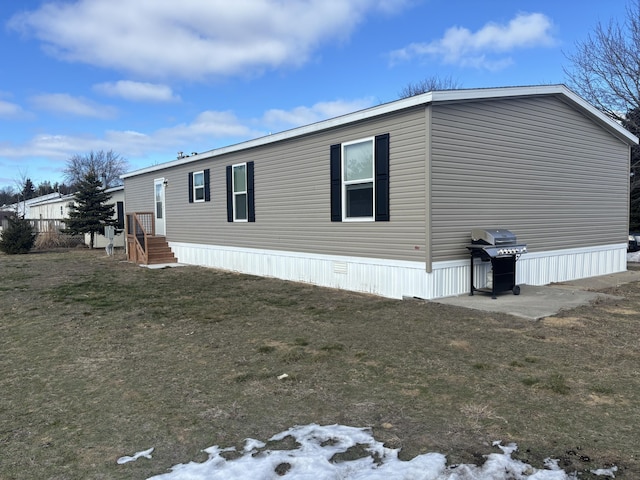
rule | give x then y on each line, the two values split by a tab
140	226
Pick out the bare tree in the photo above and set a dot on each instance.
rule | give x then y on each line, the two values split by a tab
605	71
107	166
605	68
21	187
429	84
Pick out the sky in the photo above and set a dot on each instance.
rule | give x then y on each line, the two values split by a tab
150	78
317	445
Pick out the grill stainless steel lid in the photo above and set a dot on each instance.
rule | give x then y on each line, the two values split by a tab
492	236
495	242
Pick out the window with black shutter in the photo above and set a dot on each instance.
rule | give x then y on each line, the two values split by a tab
360	180
240	193
199	186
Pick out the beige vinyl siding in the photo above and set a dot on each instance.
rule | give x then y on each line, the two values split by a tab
139	193
292	196
535	166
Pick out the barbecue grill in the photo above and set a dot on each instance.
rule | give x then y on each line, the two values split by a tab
500	247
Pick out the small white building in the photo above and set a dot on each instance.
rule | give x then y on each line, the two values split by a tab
23	208
49	212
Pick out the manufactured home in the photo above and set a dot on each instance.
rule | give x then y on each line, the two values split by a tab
49	213
384	200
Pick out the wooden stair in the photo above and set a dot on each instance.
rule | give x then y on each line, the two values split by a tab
159	251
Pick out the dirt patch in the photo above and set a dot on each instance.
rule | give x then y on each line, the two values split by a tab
461	344
563	322
623	311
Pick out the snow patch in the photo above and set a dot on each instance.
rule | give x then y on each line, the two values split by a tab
314	458
633	257
135	456
607	472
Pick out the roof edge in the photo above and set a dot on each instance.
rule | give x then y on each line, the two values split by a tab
439	96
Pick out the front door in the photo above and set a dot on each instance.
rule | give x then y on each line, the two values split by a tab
159	211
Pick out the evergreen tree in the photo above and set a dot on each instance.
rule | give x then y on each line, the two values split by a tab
62	188
91	212
7	196
28	190
18	237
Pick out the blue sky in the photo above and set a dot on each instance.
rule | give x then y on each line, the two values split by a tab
150	78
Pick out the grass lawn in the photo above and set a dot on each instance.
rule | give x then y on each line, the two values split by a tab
100	358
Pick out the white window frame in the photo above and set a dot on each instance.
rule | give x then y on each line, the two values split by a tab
371	180
235	193
199	187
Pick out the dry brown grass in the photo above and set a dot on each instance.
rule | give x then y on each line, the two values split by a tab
52	239
100	358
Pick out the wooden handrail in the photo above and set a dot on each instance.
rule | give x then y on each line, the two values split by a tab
140	226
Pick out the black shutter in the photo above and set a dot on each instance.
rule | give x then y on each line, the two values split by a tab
120	215
190	187
336	183
382	177
229	195
251	201
207	186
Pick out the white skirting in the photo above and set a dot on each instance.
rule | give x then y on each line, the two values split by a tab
396	278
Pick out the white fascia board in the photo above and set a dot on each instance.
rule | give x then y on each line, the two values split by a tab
443	96
614	126
60	199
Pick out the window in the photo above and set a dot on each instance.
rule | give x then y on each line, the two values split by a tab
199	186
357	174
240	193
360	180
240	196
159	201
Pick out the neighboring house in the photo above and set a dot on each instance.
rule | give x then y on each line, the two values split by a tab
383	200
23	207
50	212
119	241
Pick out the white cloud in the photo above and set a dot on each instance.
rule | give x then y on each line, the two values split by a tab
307	115
194	38
10	110
460	46
198	134
137	91
208	130
207	125
63	103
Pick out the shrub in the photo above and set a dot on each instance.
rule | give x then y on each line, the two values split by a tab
55	239
18	237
